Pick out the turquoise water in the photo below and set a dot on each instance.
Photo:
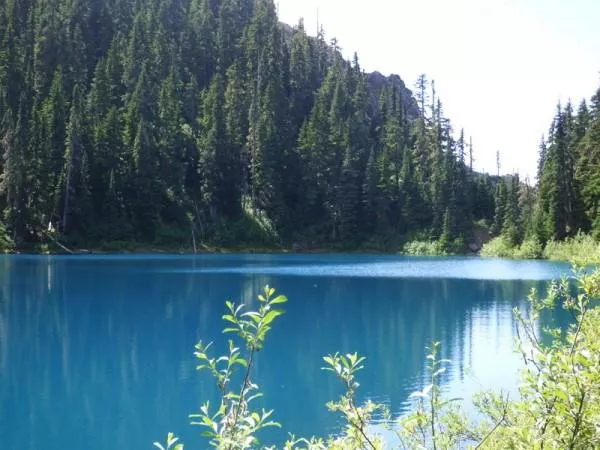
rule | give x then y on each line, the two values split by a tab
96	352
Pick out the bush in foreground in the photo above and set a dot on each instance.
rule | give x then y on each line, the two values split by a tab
559	405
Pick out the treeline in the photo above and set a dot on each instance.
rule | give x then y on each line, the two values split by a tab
566	201
167	120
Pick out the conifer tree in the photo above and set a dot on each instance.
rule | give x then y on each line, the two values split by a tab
588	168
500	207
512	226
13	174
73	189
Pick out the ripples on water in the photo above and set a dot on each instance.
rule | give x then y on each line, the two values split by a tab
97	350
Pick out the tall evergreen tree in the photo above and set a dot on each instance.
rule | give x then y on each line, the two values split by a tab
73	189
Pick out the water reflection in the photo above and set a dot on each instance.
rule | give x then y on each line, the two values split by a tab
100	349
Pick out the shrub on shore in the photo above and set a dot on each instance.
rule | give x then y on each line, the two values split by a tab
581	248
423	248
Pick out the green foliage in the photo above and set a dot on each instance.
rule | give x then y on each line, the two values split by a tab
423	248
171	443
502	247
252	229
356	418
567	199
581	248
530	249
235	423
558	408
436	422
560	390
120	123
6	243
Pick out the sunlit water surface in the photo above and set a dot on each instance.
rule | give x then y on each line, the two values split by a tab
96	352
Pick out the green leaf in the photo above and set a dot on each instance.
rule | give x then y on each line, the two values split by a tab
251	314
278	299
271	315
345	362
230	318
329	360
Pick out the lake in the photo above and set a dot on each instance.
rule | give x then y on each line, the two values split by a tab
96	352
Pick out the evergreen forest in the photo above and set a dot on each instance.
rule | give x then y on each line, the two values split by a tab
189	122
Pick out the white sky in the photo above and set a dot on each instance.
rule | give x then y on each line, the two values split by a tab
500	66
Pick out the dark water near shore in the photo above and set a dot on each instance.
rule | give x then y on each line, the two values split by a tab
96	352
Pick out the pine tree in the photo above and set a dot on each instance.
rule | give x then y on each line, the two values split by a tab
390	162
268	126
171	139
512	227
556	188
316	151
588	168
542	152
52	120
302	76
461	190
229	32
202	40
13	174
145	204
348	200
370	195
211	148
75	208
500	208
414	210
236	128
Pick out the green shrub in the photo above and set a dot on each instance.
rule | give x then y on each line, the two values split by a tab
582	248
499	247
6	243
423	248
530	249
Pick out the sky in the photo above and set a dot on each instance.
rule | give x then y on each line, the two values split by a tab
500	66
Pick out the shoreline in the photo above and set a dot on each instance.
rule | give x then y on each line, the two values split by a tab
206	249
249	250
283	250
